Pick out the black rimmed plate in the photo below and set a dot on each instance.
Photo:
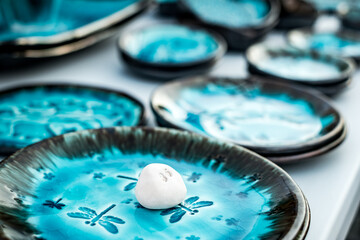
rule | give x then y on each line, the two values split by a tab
240	22
268	117
299	66
345	43
72	28
81	185
29	114
170	50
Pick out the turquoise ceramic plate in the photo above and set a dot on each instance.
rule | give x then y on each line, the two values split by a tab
296	65
345	43
171	50
30	114
81	186
269	117
71	21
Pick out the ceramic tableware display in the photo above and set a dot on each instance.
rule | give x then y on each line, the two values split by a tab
240	22
170	50
65	28
345	43
324	72
96	171
277	120
29	114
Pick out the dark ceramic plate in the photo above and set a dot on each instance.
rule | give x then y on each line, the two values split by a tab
296	13
29	114
240	22
269	117
73	24
170	50
80	185
344	43
296	65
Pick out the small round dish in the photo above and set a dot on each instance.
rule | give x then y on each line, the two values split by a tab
345	43
296	65
240	22
170	50
29	114
268	117
84	182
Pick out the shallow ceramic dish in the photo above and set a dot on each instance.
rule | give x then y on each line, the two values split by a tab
29	114
296	65
170	50
296	13
240	22
95	172
344	43
269	117
74	24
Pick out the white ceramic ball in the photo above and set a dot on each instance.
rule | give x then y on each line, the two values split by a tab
160	187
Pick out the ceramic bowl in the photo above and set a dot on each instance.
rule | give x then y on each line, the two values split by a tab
95	172
170	50
268	117
72	25
296	65
240	22
29	114
345	43
296	13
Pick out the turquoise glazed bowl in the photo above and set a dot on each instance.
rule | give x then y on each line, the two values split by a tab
81	185
32	113
170	50
241	23
345	43
271	118
293	65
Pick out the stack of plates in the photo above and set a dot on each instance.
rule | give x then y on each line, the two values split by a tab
81	185
283	122
326	73
73	25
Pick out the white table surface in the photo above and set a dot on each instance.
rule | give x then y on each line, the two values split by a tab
330	182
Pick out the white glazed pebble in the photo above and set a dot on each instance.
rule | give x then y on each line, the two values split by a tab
160	187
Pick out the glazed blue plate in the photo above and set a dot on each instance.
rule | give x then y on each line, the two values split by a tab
296	65
240	22
344	43
33	113
170	50
81	185
73	20
271	118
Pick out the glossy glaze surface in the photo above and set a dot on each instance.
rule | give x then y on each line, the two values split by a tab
52	17
242	112
32	114
88	191
234	14
169	44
